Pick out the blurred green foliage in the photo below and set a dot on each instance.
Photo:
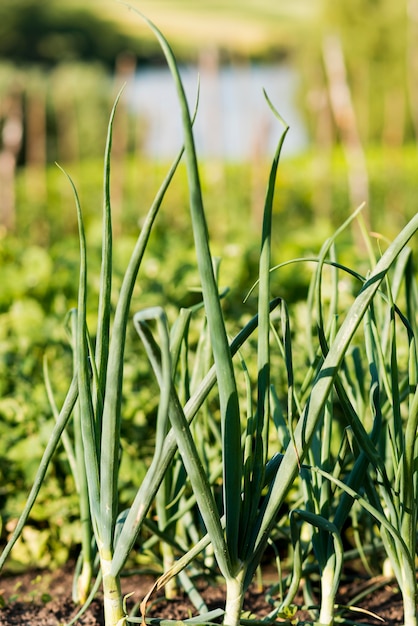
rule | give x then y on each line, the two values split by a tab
39	286
49	33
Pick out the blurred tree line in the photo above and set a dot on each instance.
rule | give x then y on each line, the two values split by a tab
48	33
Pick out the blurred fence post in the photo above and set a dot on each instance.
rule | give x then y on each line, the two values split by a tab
259	169
35	125
35	131
318	104
345	120
209	70
11	141
124	73
65	111
412	61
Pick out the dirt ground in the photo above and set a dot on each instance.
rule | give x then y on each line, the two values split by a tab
44	599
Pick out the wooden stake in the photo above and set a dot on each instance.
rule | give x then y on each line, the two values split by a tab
345	120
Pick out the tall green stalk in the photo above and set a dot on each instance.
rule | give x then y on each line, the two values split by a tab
228	396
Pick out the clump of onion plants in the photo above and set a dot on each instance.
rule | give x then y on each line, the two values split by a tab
254	479
254	484
384	430
356	462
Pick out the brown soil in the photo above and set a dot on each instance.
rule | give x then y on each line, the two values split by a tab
44	599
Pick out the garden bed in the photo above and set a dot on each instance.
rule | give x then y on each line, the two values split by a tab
43	598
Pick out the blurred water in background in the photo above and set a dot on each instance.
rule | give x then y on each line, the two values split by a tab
234	121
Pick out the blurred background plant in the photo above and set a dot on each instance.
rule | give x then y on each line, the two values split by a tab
61	64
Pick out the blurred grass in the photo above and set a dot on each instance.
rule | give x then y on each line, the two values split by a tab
312	189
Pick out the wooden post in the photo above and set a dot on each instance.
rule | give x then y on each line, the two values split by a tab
345	120
412	61
11	141
36	150
124	73
36	124
324	138
259	169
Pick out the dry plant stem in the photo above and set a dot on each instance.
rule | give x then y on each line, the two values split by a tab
84	582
